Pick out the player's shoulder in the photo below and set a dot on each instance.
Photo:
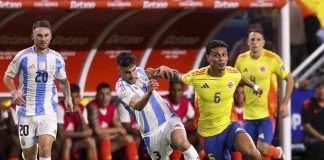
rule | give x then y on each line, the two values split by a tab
244	55
271	55
23	53
198	72
230	69
56	54
120	86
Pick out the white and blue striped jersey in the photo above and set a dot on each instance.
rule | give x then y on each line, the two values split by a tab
155	113
36	80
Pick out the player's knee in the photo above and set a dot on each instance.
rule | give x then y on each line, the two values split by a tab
254	154
90	142
45	151
262	148
129	139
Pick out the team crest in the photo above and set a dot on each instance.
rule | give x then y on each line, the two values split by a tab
51	66
262	69
230	84
41	65
283	68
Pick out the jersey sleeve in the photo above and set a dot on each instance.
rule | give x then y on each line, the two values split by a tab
237	63
60	114
124	93
60	72
13	67
187	78
279	67
124	116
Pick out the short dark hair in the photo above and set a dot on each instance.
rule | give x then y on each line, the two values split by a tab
74	88
318	85
102	86
215	44
42	23
257	31
125	59
171	83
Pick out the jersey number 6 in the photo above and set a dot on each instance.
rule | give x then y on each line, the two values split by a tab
217	98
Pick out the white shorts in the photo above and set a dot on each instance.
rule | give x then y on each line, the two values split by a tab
29	127
158	143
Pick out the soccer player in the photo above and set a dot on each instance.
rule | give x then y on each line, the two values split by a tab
74	127
214	87
159	125
109	132
259	65
36	97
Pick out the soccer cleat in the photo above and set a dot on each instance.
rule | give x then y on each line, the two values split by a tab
281	157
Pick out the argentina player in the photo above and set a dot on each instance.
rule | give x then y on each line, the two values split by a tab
159	125
36	97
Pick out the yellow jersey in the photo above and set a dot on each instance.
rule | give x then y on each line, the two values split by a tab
260	71
213	99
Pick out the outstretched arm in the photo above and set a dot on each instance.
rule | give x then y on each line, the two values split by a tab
161	72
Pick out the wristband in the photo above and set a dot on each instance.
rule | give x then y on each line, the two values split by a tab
255	87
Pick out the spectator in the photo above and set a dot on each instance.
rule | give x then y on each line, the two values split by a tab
9	141
237	114
312	119
109	132
74	127
184	109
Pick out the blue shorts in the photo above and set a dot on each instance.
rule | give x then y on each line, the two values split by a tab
259	130
220	145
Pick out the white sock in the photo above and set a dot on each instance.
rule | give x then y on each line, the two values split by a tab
190	154
42	158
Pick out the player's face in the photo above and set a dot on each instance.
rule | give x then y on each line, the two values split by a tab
218	58
76	98
176	92
319	93
256	42
239	97
104	97
42	37
128	74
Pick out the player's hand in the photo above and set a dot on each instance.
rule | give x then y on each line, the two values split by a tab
152	85
122	131
284	109
68	104
18	98
257	90
87	133
167	73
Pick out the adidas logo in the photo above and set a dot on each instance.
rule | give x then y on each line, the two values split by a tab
31	67
261	136
205	86
245	70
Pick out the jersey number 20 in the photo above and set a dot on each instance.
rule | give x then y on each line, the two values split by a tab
41	77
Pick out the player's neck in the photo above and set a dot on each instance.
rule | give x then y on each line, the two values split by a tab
255	55
214	72
41	51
